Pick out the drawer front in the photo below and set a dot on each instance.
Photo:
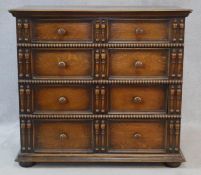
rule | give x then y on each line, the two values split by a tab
63	136
52	63
136	136
137	99
139	30
53	30
138	62
63	99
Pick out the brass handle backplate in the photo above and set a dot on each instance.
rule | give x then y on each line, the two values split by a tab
137	135
62	100
139	30
61	31
61	64
137	100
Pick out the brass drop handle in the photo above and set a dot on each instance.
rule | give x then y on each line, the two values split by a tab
61	64
139	30
61	31
137	135
62	100
137	100
63	136
138	64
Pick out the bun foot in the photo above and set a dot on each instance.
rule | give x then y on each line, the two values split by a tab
173	164
26	164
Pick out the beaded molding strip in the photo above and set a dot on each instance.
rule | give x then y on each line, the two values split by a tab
98	45
153	81
95	116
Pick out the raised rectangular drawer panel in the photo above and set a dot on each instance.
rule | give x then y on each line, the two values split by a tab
62	99
137	99
63	136
61	30
138	62
139	30
136	136
65	63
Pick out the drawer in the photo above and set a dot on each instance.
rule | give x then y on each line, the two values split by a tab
139	30
126	99
66	63
138	62
136	136
62	30
60	99
63	136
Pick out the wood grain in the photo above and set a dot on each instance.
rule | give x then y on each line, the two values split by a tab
46	99
136	136
125	30
153	99
77	63
75	30
123	62
77	136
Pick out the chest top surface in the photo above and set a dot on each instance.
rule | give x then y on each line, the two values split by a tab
88	10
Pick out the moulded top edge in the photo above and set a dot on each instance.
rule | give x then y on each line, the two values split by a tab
100	9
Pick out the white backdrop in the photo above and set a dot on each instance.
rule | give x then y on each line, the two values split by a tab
191	132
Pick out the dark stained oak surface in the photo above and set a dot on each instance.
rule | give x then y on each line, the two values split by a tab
100	83
62	63
136	136
63	136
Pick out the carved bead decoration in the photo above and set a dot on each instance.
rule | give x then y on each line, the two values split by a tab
141	81
102	45
99	116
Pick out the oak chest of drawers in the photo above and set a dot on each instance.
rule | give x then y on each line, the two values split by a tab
100	84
